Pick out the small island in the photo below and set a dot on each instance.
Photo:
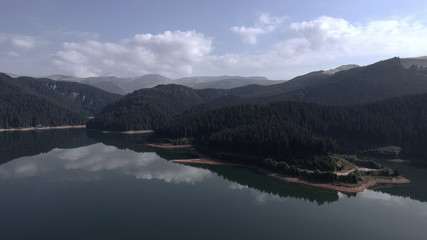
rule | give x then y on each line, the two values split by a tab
350	175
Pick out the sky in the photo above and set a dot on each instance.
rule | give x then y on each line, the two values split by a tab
181	38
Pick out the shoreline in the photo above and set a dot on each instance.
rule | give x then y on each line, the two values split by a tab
283	177
40	128
206	160
167	146
130	132
398	160
355	189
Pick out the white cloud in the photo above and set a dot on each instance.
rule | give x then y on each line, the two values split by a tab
23	42
168	53
248	34
18	41
310	43
305	46
76	63
336	37
264	24
13	54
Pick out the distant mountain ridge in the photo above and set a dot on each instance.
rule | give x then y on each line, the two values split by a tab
345	85
127	85
222	82
355	85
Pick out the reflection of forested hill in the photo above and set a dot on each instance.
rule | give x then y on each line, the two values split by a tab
244	177
19	144
272	186
135	142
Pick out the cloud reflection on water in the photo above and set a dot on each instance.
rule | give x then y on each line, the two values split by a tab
99	157
89	163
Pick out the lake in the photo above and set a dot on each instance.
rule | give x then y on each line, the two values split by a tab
77	184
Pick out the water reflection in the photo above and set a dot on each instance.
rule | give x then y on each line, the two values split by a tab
18	144
270	188
61	153
390	201
259	197
265	187
98	188
99	157
415	190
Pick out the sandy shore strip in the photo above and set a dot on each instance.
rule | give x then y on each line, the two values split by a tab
356	189
203	159
130	132
167	146
40	128
400	160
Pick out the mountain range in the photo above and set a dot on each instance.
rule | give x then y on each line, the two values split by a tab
151	107
293	124
310	126
127	85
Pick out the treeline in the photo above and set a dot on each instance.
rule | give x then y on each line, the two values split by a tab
124	118
20	109
289	130
28	111
32	102
378	81
82	98
146	108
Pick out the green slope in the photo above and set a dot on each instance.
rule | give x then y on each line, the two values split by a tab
21	108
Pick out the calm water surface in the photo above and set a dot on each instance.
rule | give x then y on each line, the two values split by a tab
73	184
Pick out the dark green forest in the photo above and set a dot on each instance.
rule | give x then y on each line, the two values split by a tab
146	108
82	98
301	123
31	102
298	123
151	108
21	109
295	130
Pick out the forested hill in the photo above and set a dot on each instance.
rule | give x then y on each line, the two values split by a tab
357	85
287	130
82	98
21	108
150	108
146	108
